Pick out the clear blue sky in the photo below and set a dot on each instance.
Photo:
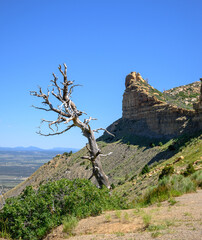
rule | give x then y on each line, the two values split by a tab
101	41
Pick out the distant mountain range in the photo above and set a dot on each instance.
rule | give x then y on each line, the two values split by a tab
32	148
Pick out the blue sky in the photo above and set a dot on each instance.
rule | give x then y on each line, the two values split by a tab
101	41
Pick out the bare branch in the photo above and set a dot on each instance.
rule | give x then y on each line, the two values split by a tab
59	97
88	148
47	102
91	176
57	133
71	89
41	108
103	129
105	155
60	69
98	152
86	157
56	122
56	85
86	121
68	120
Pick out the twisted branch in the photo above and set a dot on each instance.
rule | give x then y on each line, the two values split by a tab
57	133
103	129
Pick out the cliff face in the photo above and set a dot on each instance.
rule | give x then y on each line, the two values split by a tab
198	109
159	117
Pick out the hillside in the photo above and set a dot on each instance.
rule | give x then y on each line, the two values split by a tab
124	165
138	139
152	139
183	96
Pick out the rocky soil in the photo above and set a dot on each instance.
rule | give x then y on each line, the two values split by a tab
183	96
179	218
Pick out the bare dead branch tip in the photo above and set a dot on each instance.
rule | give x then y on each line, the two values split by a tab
86	121
105	155
103	129
57	133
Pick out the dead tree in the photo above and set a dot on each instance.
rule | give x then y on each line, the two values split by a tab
67	113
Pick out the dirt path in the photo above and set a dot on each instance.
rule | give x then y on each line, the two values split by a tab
179	219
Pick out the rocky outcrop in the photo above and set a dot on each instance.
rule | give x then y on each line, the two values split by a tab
158	116
198	109
183	96
198	105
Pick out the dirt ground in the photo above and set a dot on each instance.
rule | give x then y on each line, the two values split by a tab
176	219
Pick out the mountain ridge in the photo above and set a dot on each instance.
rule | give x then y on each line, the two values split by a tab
33	148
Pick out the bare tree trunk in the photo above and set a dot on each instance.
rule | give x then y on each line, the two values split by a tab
67	112
94	152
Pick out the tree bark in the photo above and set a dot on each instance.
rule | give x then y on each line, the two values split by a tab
94	151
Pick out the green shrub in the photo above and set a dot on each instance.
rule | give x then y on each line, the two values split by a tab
145	169
172	147
168	187
160	144
121	182
146	220
69	224
133	177
166	171
189	170
126	177
182	94
33	213
67	154
197	178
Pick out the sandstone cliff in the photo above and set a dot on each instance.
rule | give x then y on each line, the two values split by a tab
146	112
198	109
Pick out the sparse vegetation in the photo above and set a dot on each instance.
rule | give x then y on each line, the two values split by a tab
152	145
197	178
183	96
146	220
126	217
172	201
189	170
118	214
145	169
69	224
168	187
67	154
119	234
108	218
166	171
156	234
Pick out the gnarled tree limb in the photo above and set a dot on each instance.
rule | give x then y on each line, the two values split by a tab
103	129
67	112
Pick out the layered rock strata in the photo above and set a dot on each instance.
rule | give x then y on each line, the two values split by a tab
159	117
198	108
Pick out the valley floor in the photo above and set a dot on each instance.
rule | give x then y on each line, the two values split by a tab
179	219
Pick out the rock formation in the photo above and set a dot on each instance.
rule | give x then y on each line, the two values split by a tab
145	112
160	117
198	109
